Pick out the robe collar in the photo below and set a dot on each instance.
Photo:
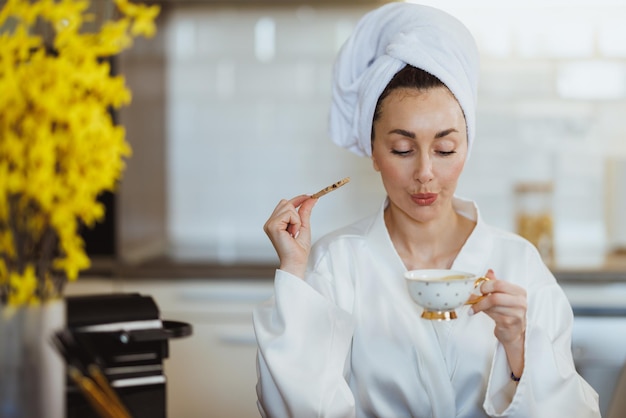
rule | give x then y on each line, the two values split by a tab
472	257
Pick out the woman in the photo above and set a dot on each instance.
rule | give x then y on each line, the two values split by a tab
341	337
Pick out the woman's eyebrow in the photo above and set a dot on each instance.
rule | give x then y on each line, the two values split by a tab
411	135
445	132
402	132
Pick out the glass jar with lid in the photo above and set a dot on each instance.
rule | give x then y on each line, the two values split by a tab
534	216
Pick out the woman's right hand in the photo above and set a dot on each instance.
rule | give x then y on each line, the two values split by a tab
289	230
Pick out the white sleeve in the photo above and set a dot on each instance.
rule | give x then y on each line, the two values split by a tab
303	344
549	386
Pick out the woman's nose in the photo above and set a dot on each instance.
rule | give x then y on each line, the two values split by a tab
424	170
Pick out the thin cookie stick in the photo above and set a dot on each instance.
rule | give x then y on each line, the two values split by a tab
330	188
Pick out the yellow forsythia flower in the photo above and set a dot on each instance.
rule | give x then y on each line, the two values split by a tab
59	147
23	287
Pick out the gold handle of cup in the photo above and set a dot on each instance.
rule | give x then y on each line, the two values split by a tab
477	283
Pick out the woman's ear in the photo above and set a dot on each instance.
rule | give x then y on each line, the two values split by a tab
373	157
375	164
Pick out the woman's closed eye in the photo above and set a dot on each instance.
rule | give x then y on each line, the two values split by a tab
401	152
446	153
405	153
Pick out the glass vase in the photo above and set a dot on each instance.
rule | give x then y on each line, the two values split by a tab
32	373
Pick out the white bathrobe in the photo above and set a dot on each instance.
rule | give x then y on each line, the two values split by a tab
349	341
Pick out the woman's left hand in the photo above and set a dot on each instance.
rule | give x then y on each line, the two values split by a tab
505	303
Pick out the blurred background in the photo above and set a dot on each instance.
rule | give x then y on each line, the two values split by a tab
231	103
229	115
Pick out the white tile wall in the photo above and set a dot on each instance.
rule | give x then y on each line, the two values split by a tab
247	119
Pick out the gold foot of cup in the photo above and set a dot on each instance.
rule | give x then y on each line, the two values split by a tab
439	315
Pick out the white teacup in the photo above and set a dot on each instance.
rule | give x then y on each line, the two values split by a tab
441	291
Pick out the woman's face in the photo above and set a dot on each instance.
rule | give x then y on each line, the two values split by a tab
419	148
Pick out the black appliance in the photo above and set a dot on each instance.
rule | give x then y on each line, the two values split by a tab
130	341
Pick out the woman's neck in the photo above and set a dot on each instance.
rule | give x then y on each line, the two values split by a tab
432	244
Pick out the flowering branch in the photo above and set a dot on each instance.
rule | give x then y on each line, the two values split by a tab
59	147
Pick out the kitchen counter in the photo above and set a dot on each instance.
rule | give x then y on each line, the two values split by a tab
612	269
166	268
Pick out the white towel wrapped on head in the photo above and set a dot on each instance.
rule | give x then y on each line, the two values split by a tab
385	41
